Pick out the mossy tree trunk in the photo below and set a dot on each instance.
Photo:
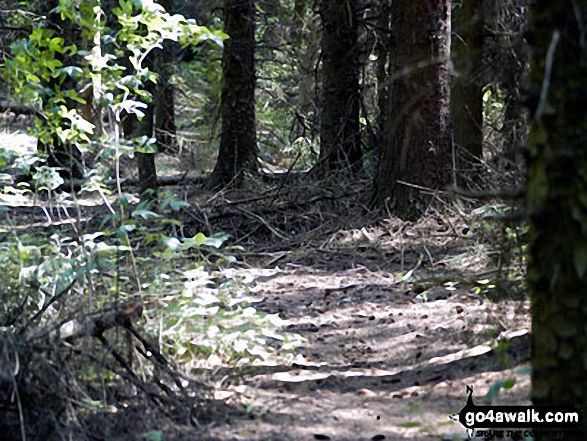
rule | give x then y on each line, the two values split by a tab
238	141
557	202
340	138
417	142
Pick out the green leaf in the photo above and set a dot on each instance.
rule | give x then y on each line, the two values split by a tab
200	238
215	241
494	389
131	106
145	214
126	228
146	144
216	38
172	243
47	178
174	204
73	71
56	44
32	78
153	435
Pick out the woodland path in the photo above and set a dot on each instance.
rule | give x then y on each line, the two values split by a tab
398	318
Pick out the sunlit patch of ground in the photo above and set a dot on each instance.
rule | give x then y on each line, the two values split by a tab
19	142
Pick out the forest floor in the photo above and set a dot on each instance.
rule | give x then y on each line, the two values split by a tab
398	317
387	358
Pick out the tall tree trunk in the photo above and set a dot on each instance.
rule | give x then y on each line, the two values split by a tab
164	104
340	139
133	128
299	22
382	69
306	38
467	86
417	146
557	202
146	161
164	97
238	141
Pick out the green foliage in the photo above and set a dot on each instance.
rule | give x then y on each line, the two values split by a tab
205	314
153	435
6	157
210	316
198	104
39	268
53	74
505	238
284	135
496	387
484	287
493	100
37	73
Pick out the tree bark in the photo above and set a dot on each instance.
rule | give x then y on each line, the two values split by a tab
146	161
382	66
557	202
135	128
164	102
306	39
164	96
467	86
238	141
340	138
417	144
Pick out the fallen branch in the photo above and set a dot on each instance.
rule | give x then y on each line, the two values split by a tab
19	109
92	325
76	184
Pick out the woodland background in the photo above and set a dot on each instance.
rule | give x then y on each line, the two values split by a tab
293	220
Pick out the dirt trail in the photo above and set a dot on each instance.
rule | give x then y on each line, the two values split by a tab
398	321
384	358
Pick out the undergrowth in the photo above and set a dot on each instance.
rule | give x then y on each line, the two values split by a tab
196	306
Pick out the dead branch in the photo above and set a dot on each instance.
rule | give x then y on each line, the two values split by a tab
92	325
18	108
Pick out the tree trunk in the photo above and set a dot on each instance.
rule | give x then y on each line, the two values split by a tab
306	39
467	86
417	146
133	128
382	66
557	202
164	103
238	141
340	139
163	97
146	161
